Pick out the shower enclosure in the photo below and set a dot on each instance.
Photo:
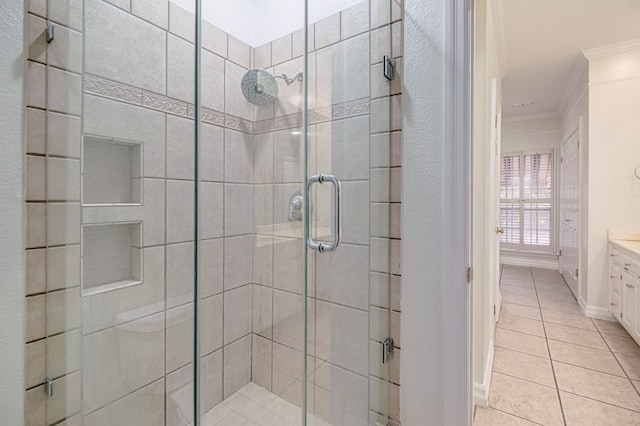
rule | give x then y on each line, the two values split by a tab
213	212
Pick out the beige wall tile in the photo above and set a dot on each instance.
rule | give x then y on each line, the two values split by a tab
36	225
66	51
36	280
63	135
179	337
181	22
124	52
261	356
35	363
63	353
214	39
36	85
64	91
67	12
35	318
35	178
263	56
327	31
180	69
211	266
237	365
180	214
146	405
238	209
154	11
238	261
211	320
239	52
281	50
36	131
37	41
179	265
262	301
237	313
354	20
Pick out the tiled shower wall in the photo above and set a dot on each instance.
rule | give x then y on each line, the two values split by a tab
138	87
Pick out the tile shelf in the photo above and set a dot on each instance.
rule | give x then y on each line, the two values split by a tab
112	188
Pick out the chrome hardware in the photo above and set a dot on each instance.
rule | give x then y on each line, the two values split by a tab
387	350
299	76
499	230
50	33
336	226
48	387
296	202
389	68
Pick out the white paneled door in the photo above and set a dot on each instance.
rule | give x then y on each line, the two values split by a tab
569	210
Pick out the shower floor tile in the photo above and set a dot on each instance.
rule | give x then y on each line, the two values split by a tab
255	406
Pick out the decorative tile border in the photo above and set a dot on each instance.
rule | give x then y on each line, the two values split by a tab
131	95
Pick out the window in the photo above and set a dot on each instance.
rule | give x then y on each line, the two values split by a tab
526	194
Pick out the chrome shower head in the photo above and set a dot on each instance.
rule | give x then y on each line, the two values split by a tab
259	87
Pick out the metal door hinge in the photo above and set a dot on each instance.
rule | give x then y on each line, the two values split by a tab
576	273
469	275
389	67
48	387
560	252
494	310
51	33
387	350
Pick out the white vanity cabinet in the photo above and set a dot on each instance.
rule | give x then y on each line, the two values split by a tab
624	285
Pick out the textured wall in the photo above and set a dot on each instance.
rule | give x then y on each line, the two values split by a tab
11	212
423	215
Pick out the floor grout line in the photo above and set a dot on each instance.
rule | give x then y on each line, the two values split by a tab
546	341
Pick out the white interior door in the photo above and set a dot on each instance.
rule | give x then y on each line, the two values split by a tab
493	203
496	212
569	210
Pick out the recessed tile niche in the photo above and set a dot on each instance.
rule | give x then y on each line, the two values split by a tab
111	256
111	172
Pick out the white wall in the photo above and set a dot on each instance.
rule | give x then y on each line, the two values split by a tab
530	134
12	63
614	152
260	21
434	374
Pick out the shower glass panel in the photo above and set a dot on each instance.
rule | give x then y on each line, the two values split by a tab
120	246
352	130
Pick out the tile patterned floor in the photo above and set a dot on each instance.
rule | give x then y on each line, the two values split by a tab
255	406
554	366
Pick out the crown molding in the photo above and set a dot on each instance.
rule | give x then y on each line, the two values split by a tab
580	68
531	117
612	49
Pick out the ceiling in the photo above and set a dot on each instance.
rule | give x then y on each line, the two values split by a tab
542	43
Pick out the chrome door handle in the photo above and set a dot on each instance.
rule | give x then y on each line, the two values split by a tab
336	226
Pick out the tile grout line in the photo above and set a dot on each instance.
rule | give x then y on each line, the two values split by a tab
546	341
616	358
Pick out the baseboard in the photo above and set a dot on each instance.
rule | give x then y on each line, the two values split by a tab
583	305
481	390
532	261
599	312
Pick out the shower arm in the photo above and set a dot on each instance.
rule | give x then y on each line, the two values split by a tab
290	80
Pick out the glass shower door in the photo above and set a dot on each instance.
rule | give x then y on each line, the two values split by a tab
120	216
353	133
